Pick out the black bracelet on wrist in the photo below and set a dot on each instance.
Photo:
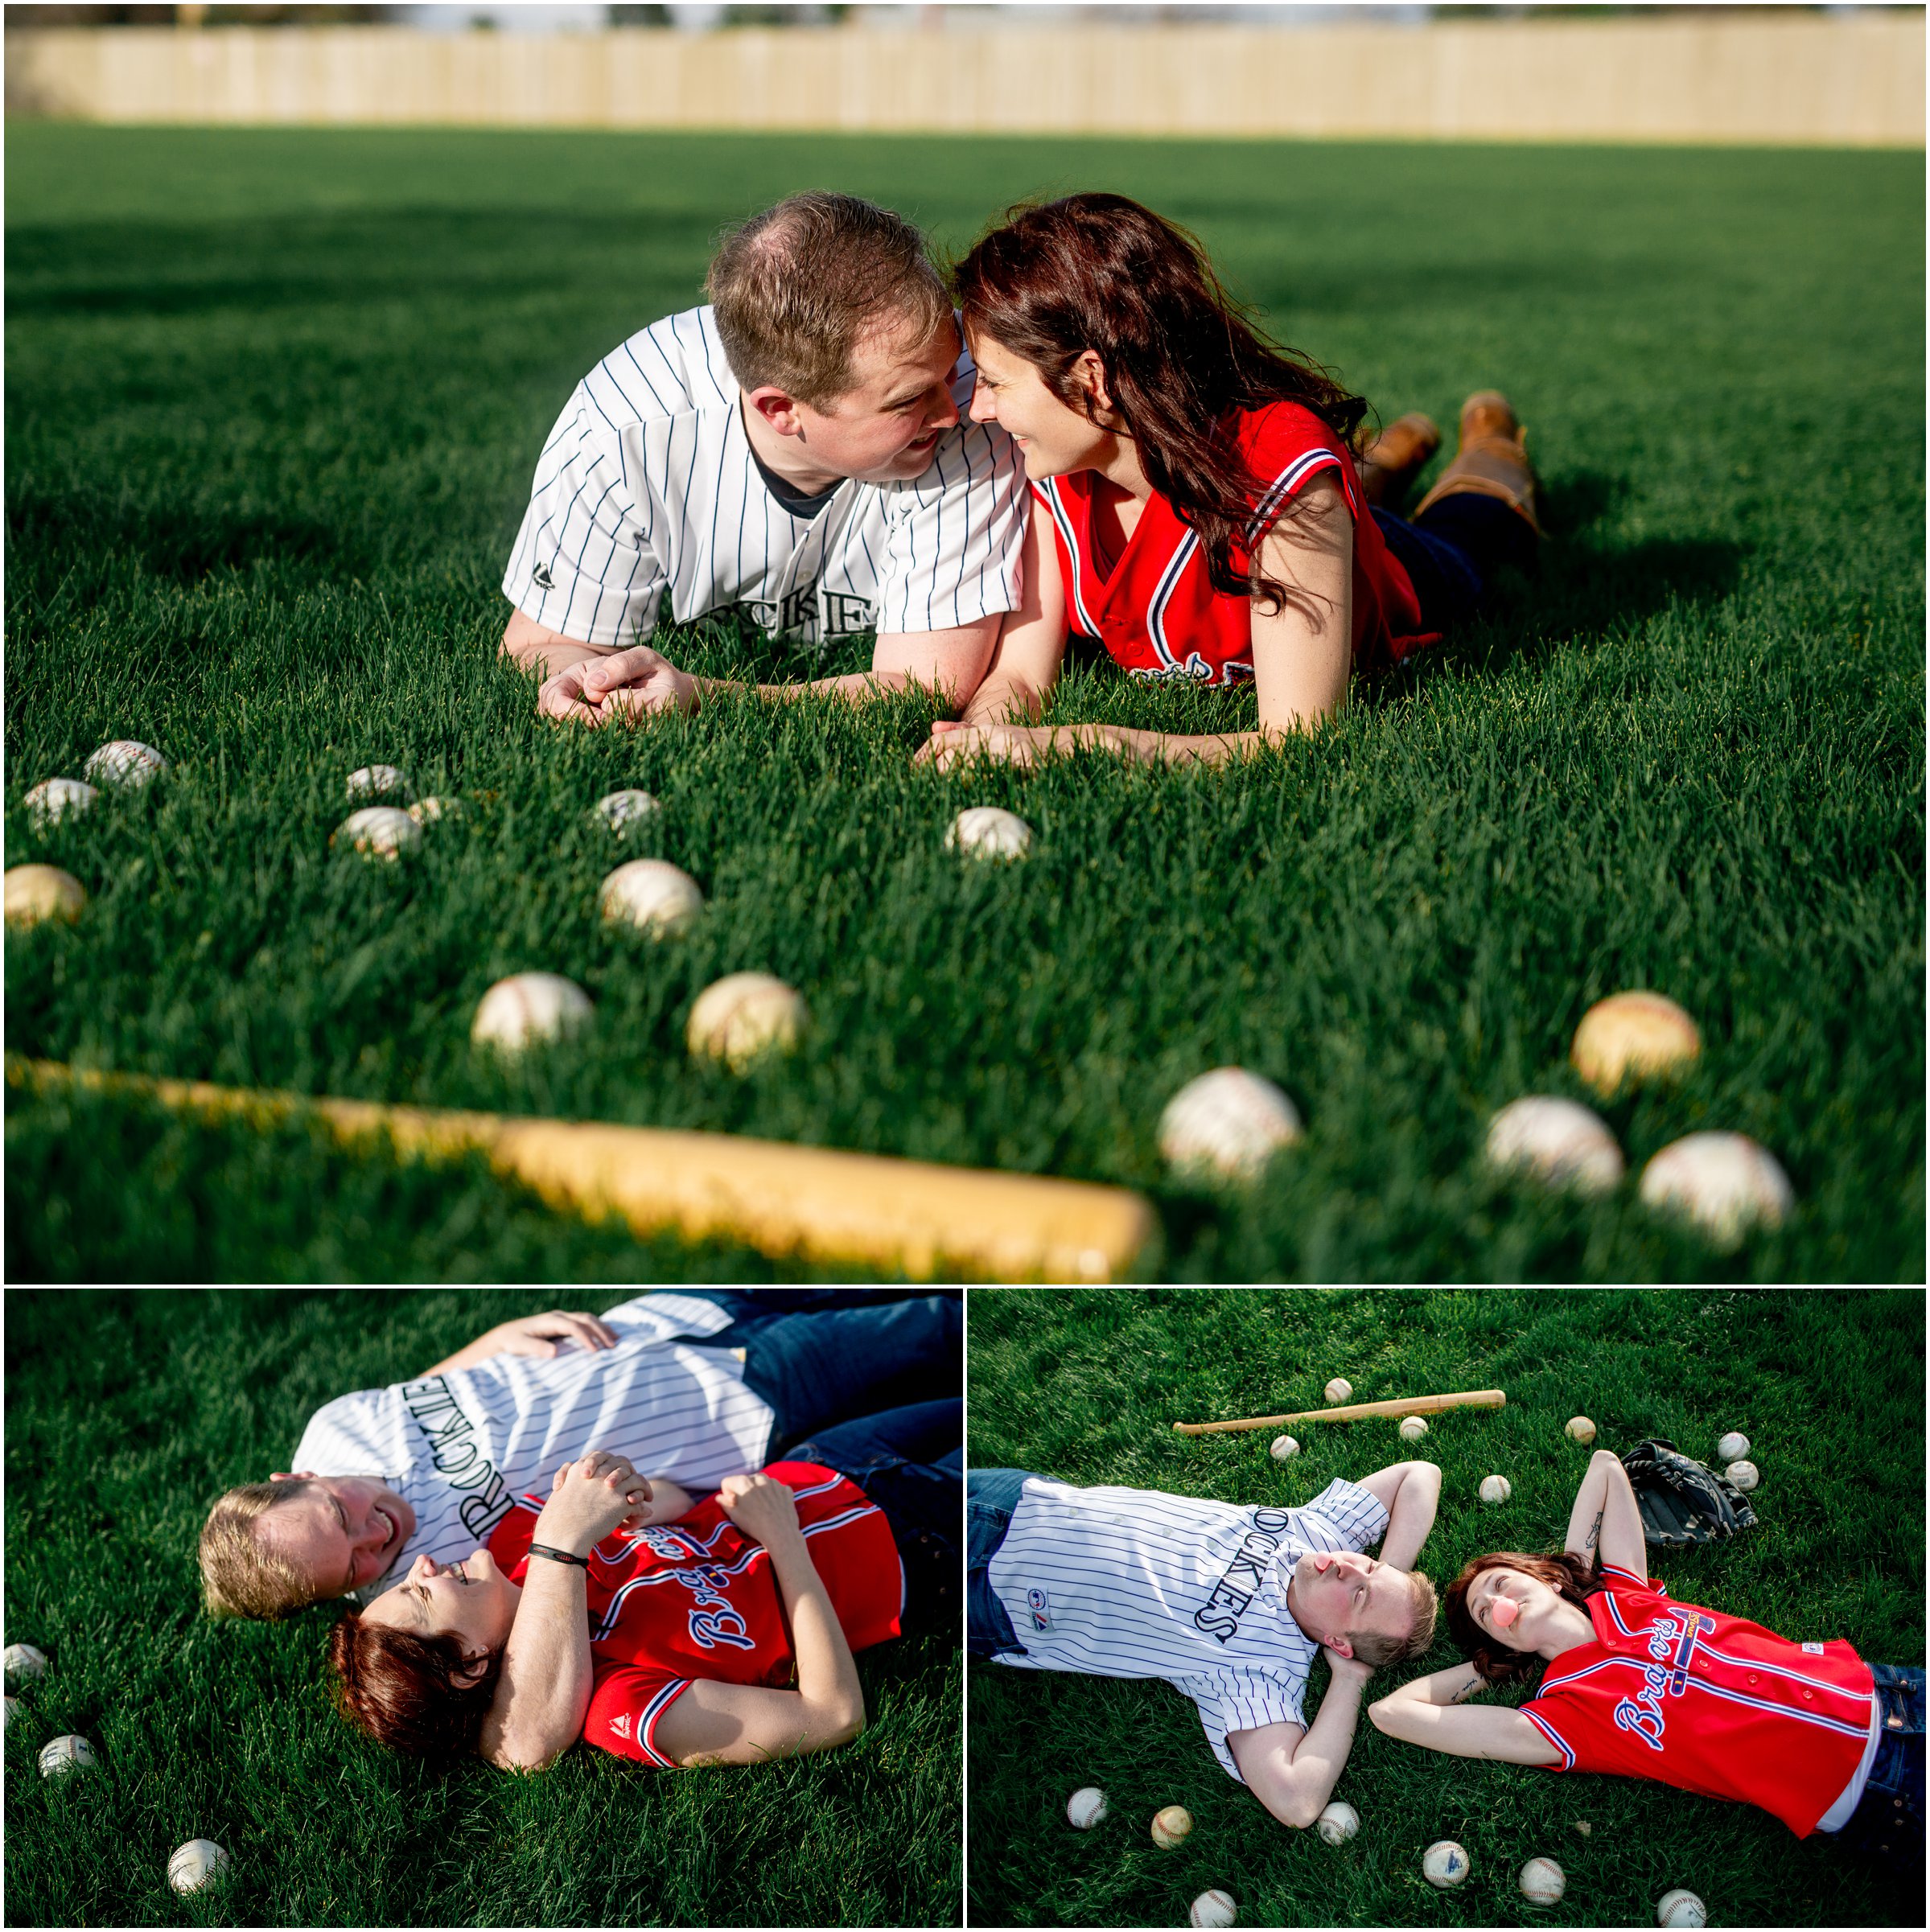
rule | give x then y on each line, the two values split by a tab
543	1549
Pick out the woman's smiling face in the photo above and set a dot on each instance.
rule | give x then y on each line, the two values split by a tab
471	1601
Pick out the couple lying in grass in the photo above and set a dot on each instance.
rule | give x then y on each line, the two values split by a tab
1119	455
1230	1603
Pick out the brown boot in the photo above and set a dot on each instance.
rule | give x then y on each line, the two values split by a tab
1492	460
1395	457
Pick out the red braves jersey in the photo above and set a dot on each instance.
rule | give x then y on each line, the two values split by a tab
1157	611
1713	1704
696	1599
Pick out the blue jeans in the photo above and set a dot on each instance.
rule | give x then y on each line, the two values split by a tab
991	1495
850	1353
1886	1827
911	1462
1452	553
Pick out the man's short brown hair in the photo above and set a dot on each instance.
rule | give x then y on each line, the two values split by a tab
1378	1652
796	288
240	1575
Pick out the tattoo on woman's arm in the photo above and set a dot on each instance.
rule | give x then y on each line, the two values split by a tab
1594	1530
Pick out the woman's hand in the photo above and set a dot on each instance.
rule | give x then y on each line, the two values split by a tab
952	746
593	1497
764	1509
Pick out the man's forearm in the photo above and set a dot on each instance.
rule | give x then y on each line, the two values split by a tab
544	1690
1002	701
546	660
1322	1756
1412	1516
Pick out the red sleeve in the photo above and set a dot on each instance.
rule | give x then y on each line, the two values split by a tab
1286	447
626	1703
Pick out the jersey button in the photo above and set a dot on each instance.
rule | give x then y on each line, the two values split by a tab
1809	1696
1752	1676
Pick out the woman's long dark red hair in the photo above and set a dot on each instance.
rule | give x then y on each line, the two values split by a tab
1569	1577
415	1694
1100	272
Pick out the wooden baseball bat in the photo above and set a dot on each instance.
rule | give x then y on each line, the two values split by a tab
1409	1405
913	1216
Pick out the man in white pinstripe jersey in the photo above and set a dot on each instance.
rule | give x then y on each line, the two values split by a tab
794	451
1228	1602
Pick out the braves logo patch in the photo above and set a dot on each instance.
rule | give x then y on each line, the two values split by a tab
1041	1606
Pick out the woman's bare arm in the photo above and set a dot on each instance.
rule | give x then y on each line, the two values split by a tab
1428	1711
1605	1523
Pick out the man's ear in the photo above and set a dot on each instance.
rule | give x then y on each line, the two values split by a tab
777	409
1339	1646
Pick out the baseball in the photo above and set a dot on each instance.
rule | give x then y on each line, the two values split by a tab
1445	1864
1580	1429
1632	1036
197	1864
373	781
8	1706
1171	1826
528	1008
23	1663
1214	1909
34	893
1337	1823
1680	1907
1339	1389
1556	1141
1723	1182
65	1754
378	832
1413	1428
987	832
742	1015
427	811
655	897
1543	1882
55	798
1086	1806
1496	1489
1284	1446
1732	1445
1744	1475
621	810
126	761
1228	1122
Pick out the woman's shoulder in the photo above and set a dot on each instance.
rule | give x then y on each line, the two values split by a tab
1276	432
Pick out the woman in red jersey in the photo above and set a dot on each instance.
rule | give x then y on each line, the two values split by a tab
1637	1684
1197	509
665	1628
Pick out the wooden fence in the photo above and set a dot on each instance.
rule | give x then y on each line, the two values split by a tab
1848	81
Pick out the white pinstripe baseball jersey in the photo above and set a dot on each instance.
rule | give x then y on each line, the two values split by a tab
1135	1583
458	1447
648	490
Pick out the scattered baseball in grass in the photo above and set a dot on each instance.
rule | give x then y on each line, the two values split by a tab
527	1008
1633	1036
988	832
1556	1141
1283	1447
1445	1864
1543	1882
427	811
1229	1122
125	760
8	1706
1214	1909
23	1663
55	798
375	781
1086	1806
1725	1183
1580	1429
1680	1907
378	832
743	1015
1339	1389
1412	1429
653	895
1744	1475
34	893
1171	1826
621	810
197	1864
1732	1445
65	1754
1337	1823
1496	1489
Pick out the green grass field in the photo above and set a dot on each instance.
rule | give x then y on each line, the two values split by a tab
273	405
1086	1386
126	1414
